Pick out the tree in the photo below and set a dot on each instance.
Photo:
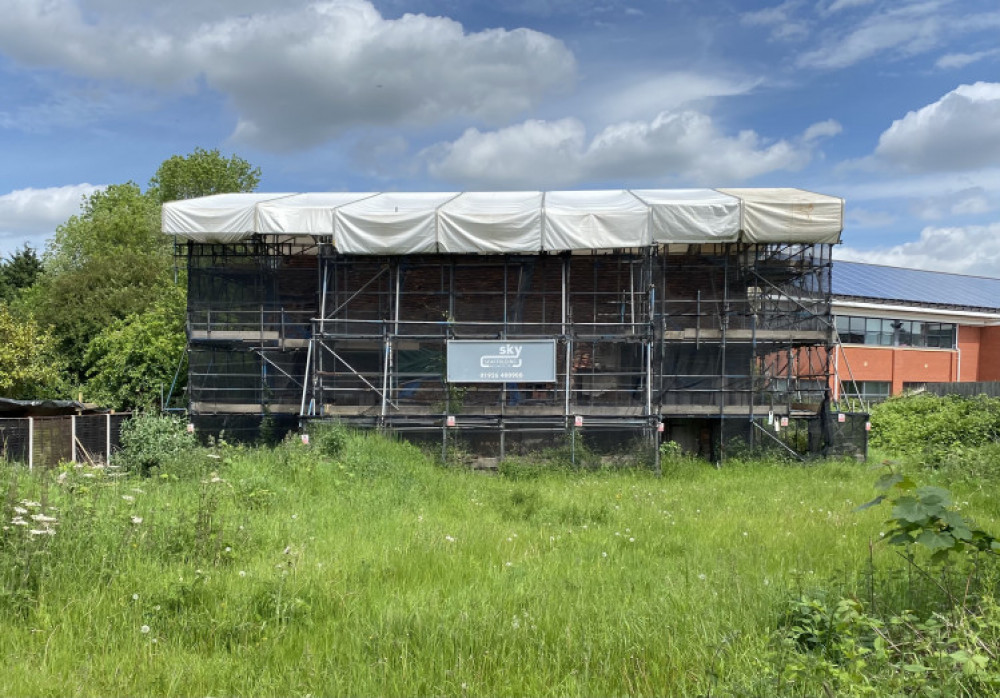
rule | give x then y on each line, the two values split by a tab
111	265
29	363
116	219
134	358
201	173
106	263
18	272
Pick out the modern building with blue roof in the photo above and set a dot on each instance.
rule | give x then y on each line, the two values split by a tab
902	328
860	281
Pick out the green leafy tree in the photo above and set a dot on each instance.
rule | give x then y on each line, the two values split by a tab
18	272
134	358
29	363
202	173
105	264
109	273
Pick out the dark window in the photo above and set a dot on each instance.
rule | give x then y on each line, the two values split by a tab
870	391
884	332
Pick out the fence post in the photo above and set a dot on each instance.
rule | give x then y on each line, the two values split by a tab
107	439
31	443
72	443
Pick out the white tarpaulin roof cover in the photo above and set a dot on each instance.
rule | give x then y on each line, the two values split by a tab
513	222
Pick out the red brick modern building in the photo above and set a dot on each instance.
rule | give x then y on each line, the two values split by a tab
902	328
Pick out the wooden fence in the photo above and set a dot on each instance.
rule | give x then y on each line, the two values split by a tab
968	389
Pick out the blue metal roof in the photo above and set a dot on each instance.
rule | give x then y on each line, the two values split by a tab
914	285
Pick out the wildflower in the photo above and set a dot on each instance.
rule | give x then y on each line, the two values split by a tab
18	521
631	540
229	549
702	576
449	539
295	516
745	534
137	520
135	597
42	518
604	554
128	498
42	532
30	504
144	630
243	573
509	539
508	564
20	510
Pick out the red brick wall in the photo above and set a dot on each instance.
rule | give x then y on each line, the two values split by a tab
989	356
969	344
900	365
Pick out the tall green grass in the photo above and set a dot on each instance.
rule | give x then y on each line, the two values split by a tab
378	572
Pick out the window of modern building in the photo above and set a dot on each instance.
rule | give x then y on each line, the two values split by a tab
870	391
886	332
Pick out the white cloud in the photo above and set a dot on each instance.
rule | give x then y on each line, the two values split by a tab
973	201
838	5
780	19
866	218
32	215
906	30
961	131
680	146
301	74
951	184
647	96
960	60
968	250
531	154
822	129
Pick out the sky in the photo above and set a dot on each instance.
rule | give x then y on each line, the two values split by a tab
893	106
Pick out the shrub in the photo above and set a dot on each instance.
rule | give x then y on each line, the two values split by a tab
152	441
330	438
930	425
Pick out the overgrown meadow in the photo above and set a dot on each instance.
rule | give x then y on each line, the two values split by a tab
358	565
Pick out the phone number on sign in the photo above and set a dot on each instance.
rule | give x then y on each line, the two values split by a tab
501	375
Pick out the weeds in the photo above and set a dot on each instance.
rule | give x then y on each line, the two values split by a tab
371	570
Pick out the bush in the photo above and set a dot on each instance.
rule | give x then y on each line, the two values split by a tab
929	425
152	441
329	437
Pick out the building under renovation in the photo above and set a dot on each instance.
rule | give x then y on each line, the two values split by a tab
511	319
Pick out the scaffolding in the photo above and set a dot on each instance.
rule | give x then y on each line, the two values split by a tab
705	344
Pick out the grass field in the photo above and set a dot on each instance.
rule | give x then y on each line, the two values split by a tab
281	572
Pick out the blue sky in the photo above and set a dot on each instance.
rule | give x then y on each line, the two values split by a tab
894	106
